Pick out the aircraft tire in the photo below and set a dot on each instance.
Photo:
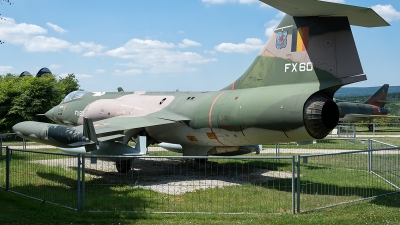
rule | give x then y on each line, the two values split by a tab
124	166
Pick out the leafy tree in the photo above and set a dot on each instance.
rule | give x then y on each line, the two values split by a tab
1	18
22	98
66	85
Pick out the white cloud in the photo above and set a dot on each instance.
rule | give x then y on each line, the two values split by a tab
46	44
83	76
187	43
210	52
272	24
30	36
77	75
263	5
387	12
229	1
54	66
92	46
126	64
90	54
56	28
33	38
14	33
334	1
5	69
155	56
280	14
131	72
249	45
94	49
99	71
137	46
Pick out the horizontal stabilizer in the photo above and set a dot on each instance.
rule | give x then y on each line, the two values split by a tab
358	16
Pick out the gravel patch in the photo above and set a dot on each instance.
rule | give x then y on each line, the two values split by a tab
170	176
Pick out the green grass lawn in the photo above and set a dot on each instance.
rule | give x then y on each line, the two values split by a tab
21	210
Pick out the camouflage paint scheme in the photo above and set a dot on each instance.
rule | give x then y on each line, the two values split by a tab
373	107
286	94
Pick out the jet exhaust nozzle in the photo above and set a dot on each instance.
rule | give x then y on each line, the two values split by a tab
320	116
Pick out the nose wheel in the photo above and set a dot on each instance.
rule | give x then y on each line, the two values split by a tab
124	166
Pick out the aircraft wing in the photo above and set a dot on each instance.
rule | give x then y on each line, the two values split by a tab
122	123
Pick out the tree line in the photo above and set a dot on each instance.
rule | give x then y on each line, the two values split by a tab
22	98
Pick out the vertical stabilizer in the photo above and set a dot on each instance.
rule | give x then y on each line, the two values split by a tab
308	49
379	98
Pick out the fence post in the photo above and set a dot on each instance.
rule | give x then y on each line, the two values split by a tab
79	183
373	127
8	158
277	149
298	184
83	183
369	155
293	186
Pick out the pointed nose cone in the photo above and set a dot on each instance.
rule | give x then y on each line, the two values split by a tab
49	114
17	128
26	128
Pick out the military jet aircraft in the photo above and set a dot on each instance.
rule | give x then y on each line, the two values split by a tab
286	95
373	107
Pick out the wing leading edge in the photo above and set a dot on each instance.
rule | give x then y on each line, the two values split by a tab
123	123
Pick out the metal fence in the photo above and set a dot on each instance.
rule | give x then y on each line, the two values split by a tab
191	185
374	128
37	175
157	184
321	146
338	178
303	180
343	131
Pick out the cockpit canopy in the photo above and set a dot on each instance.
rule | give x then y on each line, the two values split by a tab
73	95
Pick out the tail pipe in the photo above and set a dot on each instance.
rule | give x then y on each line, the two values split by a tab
320	115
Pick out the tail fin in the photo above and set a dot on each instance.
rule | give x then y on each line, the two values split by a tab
379	98
312	44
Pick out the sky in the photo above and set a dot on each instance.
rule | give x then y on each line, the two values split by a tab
159	45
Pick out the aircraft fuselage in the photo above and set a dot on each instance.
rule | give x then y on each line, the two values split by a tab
222	118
